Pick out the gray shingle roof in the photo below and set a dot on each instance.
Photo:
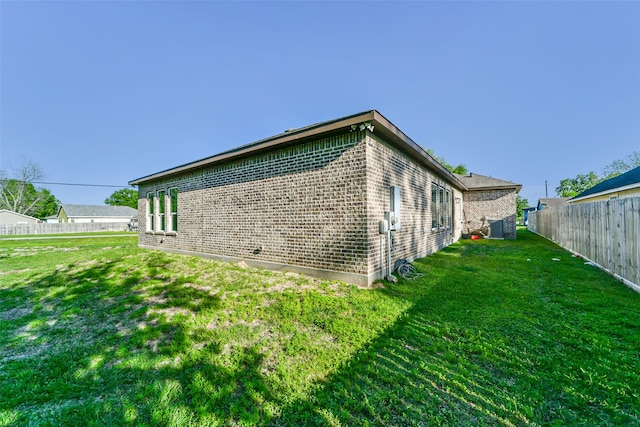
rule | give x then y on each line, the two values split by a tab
552	202
99	211
628	178
474	181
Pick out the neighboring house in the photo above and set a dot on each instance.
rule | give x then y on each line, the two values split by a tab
551	203
490	204
525	213
625	185
95	213
313	200
10	217
52	219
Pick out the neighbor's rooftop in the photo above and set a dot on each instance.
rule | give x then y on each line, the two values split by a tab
626	181
98	211
475	181
554	202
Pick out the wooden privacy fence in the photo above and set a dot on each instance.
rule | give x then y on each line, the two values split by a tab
604	232
64	227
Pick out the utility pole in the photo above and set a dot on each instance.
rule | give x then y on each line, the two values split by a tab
546	189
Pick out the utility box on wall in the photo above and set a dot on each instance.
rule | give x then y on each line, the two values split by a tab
496	228
395	223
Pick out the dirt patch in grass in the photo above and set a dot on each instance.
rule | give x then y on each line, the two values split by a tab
36	250
15	313
12	272
170	312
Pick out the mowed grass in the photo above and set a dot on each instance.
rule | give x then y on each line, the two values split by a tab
99	332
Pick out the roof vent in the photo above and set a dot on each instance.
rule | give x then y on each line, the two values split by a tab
289	130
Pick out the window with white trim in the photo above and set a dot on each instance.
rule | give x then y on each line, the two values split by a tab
434	206
162	210
151	210
447	202
162	204
173	209
441	207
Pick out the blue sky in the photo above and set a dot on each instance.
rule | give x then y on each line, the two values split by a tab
104	92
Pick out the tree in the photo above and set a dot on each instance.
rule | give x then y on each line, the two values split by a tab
459	169
123	197
521	204
21	196
572	187
47	206
619	167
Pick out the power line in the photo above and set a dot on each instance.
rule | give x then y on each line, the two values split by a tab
80	185
74	184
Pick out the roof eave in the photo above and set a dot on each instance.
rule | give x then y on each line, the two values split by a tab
380	123
605	192
389	130
516	187
262	145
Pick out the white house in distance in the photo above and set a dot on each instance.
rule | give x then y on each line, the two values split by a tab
10	217
51	219
96	213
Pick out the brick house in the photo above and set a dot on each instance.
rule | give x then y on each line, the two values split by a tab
311	200
489	203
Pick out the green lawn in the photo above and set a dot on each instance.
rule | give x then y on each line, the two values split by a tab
99	332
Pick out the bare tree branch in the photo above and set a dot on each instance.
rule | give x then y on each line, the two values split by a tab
18	194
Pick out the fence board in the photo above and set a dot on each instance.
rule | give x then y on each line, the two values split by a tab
65	227
606	232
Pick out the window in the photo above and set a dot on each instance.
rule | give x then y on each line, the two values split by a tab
173	209
447	202
161	210
151	209
434	206
442	209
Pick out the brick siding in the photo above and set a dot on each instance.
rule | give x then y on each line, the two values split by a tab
314	207
300	206
491	204
386	167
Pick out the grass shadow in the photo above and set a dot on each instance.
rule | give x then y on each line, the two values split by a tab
498	334
495	332
115	343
